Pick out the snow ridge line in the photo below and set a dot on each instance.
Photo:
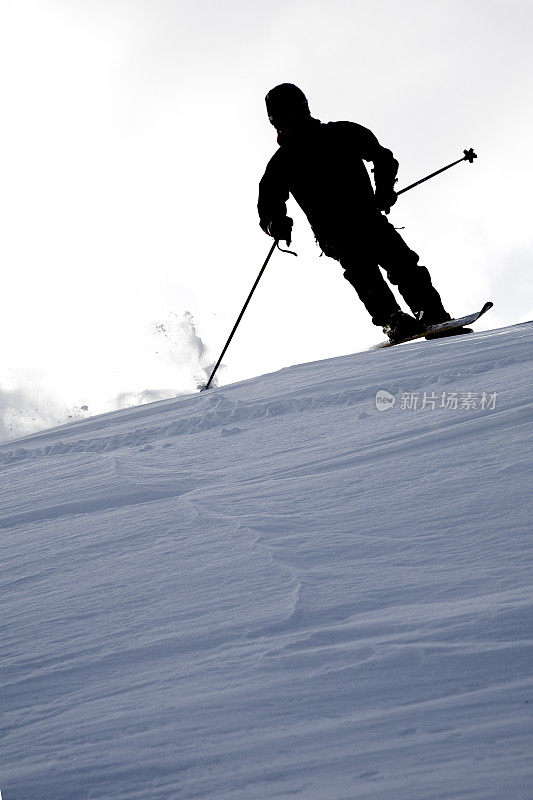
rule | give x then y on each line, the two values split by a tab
217	410
225	412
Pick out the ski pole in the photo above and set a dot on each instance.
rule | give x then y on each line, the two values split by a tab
276	244
469	155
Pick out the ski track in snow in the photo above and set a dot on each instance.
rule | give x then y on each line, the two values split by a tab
272	590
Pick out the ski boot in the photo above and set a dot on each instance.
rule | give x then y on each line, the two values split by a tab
401	326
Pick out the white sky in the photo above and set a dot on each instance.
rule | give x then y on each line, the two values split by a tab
134	135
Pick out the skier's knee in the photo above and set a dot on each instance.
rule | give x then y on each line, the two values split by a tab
409	270
359	279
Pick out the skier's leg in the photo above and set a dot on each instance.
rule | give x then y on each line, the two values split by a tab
403	270
361	270
380	302
371	287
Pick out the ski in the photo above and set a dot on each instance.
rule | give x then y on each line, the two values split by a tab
441	328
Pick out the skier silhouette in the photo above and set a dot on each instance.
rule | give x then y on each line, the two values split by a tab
321	165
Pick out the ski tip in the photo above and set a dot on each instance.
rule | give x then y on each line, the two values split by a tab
486	307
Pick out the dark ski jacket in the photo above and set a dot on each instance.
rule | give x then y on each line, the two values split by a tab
321	165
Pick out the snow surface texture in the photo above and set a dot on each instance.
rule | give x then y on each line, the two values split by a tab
274	590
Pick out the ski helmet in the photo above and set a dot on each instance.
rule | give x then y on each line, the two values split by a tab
286	103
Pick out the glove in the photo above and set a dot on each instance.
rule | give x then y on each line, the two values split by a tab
385	199
281	229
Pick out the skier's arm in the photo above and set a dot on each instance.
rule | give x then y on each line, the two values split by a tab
385	167
273	196
385	171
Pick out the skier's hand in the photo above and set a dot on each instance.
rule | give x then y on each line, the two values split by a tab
385	200
281	229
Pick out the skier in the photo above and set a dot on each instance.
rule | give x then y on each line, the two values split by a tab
321	165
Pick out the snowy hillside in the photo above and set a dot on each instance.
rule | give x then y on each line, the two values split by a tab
274	589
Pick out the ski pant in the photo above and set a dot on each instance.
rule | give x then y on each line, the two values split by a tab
377	243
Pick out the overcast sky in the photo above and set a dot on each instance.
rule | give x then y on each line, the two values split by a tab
134	135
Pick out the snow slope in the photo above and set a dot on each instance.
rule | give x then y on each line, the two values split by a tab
274	590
